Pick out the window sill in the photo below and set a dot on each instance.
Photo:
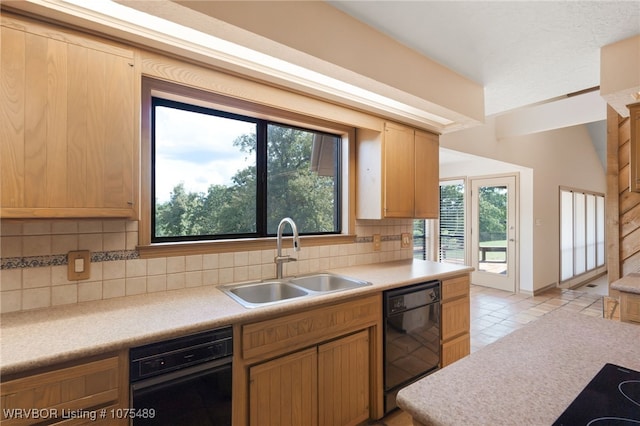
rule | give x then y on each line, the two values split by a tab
229	246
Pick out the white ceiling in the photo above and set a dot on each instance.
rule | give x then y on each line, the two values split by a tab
522	52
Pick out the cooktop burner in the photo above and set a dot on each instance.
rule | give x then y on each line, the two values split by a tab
612	398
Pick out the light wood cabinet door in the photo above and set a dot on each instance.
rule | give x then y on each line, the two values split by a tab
427	176
455	319
343	380
399	171
91	388
67	124
455	349
283	392
629	307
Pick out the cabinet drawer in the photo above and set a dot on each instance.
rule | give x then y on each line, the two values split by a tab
455	349
82	387
455	287
629	307
299	330
455	318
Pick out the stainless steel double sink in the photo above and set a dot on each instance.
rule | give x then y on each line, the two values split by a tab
269	292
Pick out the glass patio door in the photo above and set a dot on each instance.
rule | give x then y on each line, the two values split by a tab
494	232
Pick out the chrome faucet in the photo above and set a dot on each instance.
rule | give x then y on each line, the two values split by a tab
280	259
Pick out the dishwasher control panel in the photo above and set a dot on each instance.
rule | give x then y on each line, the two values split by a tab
157	358
405	298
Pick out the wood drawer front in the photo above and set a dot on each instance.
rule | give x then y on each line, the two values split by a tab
456	349
455	318
455	287
296	331
82	387
629	307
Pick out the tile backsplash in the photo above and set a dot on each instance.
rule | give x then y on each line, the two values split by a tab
33	269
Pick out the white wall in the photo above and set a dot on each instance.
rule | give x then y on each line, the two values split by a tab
545	161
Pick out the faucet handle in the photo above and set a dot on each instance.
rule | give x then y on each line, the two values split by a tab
283	259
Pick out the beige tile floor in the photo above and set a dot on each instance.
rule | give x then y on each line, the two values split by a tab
495	313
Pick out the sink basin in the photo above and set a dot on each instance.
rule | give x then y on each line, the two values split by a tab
324	283
263	293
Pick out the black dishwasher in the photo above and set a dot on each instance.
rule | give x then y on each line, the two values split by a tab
183	381
411	336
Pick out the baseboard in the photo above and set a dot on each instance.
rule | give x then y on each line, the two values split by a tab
543	289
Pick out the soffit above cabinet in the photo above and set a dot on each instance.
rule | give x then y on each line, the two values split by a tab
308	47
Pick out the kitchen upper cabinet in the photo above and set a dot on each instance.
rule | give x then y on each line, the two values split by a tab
67	124
398	173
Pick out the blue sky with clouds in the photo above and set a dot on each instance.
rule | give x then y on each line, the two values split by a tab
196	149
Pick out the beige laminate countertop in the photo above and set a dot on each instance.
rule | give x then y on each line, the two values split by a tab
630	283
528	377
32	339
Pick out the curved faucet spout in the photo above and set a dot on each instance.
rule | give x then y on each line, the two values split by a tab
280	259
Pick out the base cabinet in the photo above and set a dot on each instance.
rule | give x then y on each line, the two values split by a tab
91	392
455	336
316	367
323	385
629	307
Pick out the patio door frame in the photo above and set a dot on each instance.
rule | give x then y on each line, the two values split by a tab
509	281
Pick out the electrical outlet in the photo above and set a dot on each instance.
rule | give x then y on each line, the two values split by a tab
377	244
405	240
79	265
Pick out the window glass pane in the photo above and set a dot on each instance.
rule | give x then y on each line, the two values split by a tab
492	233
204	174
452	222
579	233
566	235
302	179
600	230
591	231
420	247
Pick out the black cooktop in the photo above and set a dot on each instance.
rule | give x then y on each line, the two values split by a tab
612	398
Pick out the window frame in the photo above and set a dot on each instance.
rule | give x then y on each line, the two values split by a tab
152	87
599	225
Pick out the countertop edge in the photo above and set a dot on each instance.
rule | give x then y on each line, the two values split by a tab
630	283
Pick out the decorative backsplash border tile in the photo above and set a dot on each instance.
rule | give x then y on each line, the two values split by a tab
369	239
33	261
61	259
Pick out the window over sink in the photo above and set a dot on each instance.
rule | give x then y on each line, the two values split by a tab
223	169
